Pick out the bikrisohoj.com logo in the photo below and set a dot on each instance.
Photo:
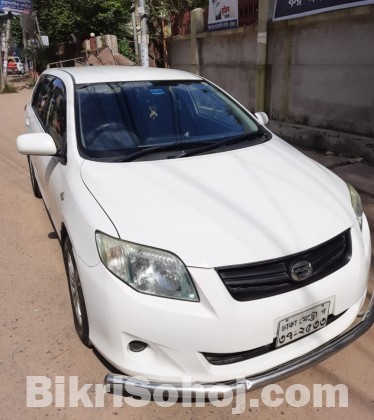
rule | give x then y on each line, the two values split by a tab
66	391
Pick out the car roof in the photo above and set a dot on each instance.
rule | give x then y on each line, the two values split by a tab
97	74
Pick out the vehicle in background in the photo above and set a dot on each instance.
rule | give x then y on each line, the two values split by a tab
15	66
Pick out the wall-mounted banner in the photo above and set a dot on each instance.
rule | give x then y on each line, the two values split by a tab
16	6
223	14
289	9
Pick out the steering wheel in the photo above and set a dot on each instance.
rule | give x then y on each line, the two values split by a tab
110	136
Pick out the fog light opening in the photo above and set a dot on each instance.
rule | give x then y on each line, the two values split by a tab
137	346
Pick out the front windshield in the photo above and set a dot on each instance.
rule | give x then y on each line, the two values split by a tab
119	119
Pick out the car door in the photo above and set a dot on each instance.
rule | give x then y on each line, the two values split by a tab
48	114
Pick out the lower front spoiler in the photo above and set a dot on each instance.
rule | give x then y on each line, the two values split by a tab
142	387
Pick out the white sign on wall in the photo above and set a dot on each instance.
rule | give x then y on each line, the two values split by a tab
223	14
45	40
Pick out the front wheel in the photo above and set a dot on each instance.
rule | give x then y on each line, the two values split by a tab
34	182
76	294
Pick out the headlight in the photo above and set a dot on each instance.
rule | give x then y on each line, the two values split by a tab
356	204
147	270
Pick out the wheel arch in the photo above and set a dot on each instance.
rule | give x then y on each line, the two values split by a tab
63	234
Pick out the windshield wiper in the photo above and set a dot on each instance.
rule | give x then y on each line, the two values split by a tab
182	145
160	148
232	140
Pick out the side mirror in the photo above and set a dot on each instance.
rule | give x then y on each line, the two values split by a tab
40	144
262	118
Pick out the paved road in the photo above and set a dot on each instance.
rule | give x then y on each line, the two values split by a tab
38	337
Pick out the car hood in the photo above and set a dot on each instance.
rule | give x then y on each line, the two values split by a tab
241	206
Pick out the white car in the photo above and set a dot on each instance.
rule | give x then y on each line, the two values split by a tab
197	243
15	66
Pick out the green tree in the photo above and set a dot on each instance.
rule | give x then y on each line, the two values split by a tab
16	38
169	11
62	19
59	19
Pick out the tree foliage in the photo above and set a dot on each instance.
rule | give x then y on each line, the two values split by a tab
167	10
60	19
67	20
16	37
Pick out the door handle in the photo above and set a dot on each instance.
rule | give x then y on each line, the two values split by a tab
27	122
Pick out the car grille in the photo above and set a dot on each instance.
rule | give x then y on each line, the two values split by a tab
269	278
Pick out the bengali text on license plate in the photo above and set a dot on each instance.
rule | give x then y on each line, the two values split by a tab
301	324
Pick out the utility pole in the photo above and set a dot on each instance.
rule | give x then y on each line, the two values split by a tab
6	48
25	49
164	49
135	33
144	32
261	54
38	30
1	55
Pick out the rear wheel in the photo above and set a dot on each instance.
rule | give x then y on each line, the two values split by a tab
76	294
34	182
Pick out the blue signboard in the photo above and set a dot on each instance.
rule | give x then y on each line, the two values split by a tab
289	9
16	6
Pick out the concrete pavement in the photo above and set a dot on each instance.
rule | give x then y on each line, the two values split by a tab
355	171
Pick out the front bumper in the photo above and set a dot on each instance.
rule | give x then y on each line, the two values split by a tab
143	387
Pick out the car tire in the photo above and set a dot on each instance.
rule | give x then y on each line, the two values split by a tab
76	294
34	182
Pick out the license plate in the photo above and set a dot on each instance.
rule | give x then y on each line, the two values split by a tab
301	324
